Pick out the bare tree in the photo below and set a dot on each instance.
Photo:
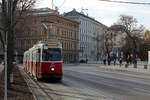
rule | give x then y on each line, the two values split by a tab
128	25
19	7
108	42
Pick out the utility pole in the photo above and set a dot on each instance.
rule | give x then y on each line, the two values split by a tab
9	15
5	92
97	42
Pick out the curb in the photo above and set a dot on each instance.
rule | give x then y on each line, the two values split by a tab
22	72
123	70
113	68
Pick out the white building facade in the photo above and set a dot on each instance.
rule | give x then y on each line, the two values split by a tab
90	31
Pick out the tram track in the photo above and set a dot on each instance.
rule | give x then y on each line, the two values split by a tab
41	94
47	87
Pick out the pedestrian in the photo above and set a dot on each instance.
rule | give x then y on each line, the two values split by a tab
120	61
86	60
114	58
109	60
104	60
128	59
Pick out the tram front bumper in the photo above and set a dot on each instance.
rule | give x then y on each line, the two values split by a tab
48	75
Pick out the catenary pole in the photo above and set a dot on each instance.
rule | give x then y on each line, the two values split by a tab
5	94
9	15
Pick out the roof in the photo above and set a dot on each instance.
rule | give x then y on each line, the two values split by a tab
75	13
43	11
49	12
59	16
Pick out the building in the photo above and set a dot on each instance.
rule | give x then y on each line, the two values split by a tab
118	40
46	23
144	48
90	32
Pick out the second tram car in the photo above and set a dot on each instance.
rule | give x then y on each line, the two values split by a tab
44	60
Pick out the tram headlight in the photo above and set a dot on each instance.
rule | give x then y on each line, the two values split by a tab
52	69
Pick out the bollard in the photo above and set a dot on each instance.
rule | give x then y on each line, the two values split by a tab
126	65
145	66
135	65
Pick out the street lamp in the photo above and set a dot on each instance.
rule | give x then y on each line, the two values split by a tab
45	30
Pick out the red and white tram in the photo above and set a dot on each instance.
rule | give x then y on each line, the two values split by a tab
44	60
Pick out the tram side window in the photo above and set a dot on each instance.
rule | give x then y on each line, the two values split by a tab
38	55
51	55
34	56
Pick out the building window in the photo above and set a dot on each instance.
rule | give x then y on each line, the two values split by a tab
35	21
71	34
67	46
57	31
45	19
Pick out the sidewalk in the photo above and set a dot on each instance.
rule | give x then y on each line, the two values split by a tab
112	67
130	68
19	89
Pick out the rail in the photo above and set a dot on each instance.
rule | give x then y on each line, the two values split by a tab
39	93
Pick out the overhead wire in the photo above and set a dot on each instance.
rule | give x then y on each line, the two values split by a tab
62	4
58	7
137	3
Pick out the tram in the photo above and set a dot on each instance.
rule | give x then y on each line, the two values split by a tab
44	60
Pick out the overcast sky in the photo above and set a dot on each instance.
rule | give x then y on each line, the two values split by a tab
104	12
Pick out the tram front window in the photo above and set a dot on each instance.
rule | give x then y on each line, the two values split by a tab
51	55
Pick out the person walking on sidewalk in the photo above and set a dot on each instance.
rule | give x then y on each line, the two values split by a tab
104	60
114	58
120	61
108	60
127	59
86	60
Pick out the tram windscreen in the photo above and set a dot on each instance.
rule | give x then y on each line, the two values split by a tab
51	55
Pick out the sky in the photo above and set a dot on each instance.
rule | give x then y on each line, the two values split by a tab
104	12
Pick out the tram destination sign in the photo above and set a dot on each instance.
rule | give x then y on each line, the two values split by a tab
52	44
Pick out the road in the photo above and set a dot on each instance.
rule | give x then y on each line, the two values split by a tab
112	85
91	83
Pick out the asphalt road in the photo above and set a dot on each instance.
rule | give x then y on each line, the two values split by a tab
106	84
92	83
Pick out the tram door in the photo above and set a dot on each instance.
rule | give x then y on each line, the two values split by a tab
38	61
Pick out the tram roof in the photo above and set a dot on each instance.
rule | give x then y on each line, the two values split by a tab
40	44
